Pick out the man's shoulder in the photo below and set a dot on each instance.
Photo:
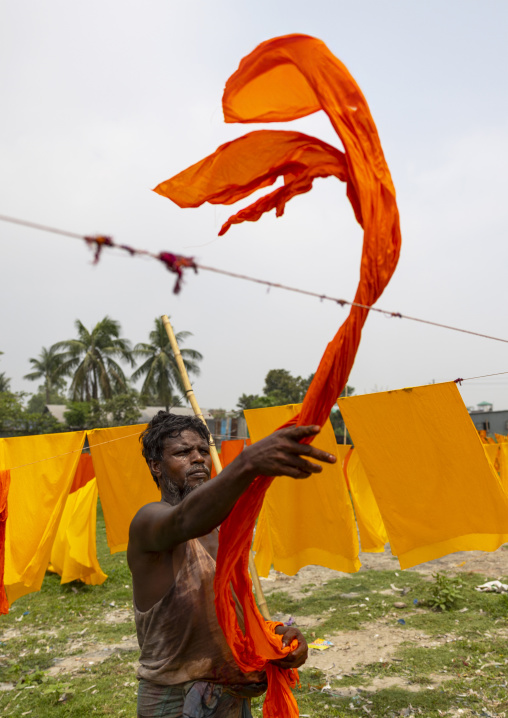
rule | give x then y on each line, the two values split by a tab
153	510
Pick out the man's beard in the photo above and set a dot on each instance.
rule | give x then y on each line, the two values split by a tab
176	494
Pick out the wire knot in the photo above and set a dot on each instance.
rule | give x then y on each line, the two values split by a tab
176	263
99	241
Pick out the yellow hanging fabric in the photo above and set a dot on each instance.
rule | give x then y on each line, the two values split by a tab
37	495
342	451
492	454
124	481
5	480
503	466
317	523
373	536
74	552
435	488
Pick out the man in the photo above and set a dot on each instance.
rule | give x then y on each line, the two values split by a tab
186	667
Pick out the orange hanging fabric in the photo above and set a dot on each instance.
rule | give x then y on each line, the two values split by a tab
5	480
284	79
85	472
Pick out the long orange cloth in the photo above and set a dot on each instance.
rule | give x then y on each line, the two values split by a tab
283	79
5	480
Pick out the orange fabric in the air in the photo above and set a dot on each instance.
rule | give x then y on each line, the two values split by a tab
5	480
283	79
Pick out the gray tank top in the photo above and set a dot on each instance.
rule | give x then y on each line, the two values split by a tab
180	637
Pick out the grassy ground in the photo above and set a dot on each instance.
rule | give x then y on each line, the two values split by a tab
87	633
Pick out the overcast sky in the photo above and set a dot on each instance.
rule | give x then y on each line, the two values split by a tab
101	101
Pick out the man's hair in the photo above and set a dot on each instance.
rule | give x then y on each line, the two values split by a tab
168	426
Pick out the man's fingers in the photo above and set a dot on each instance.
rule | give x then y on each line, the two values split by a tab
301	469
300	432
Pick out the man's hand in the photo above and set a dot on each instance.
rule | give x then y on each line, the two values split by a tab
281	454
296	658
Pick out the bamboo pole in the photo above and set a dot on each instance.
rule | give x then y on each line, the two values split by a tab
213	452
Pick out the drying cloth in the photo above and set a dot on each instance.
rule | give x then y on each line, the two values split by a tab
230	449
37	496
372	530
317	526
492	453
5	480
123	478
84	472
284	79
436	490
342	450
74	552
503	465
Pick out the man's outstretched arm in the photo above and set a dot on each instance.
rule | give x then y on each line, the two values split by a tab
161	527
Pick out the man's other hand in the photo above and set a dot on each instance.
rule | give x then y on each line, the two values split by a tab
298	656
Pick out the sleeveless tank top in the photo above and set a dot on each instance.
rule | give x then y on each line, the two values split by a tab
180	638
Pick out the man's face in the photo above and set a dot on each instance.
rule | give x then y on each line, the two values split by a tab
186	464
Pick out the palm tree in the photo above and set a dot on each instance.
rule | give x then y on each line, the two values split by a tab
160	370
48	367
91	360
4	381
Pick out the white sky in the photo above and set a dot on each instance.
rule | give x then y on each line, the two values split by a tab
101	101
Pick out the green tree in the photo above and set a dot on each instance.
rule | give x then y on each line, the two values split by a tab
160	370
48	366
336	416
120	410
91	360
5	383
123	409
283	387
15	420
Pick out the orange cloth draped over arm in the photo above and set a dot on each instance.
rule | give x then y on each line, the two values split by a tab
283	79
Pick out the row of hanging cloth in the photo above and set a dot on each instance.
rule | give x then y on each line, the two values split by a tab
418	478
49	490
48	502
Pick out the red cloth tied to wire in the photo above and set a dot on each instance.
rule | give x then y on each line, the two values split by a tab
284	79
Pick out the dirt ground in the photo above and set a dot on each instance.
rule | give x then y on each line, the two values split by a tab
377	641
494	565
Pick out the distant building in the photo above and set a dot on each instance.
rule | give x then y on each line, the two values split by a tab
486	419
221	424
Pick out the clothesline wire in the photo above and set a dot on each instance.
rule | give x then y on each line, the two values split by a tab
74	451
216	436
483	376
110	441
176	263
